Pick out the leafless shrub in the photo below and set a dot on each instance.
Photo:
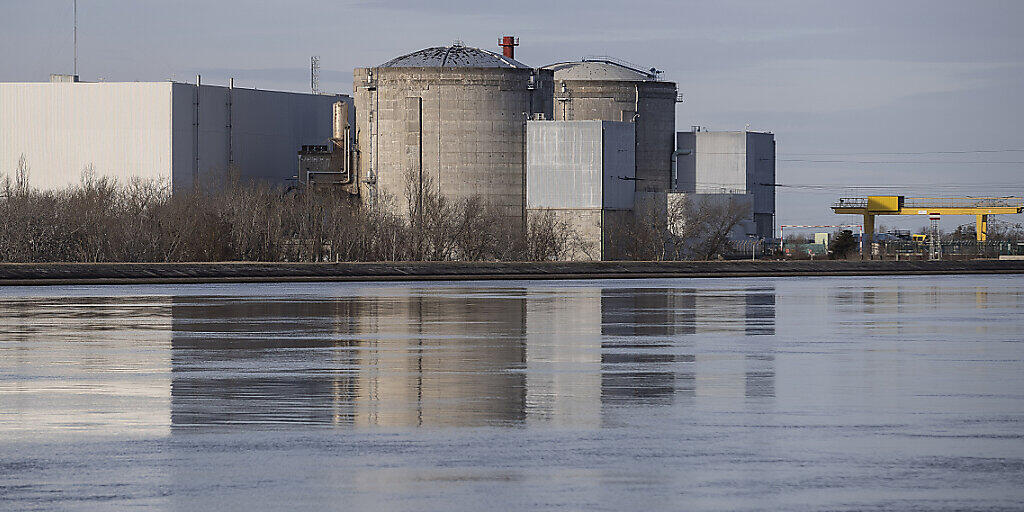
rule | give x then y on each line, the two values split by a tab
699	226
641	236
694	228
549	238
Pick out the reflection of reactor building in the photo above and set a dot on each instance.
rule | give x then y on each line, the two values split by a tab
658	343
435	356
370	361
432	360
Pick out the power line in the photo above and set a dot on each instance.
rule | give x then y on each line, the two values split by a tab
880	153
887	162
958	152
908	186
972	184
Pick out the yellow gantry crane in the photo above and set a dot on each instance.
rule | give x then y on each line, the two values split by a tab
980	207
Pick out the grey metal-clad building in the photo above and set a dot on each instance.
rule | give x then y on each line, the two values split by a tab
731	163
450	117
611	91
166	131
583	173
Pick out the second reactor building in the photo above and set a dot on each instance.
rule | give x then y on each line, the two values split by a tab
605	89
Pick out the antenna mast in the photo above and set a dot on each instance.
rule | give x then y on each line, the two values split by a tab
314	74
76	37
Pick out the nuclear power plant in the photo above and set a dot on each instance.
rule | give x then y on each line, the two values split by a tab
591	141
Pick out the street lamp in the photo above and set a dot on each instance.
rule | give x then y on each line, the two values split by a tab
753	246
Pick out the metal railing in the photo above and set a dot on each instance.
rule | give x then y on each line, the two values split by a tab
949	249
963	202
851	202
912	250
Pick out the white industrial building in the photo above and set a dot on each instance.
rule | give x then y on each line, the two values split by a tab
583	172
736	163
168	131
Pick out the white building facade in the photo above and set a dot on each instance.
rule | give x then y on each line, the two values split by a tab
740	163
583	172
172	132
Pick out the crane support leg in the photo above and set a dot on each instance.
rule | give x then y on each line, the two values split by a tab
869	235
981	228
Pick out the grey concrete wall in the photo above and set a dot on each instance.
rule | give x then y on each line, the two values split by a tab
651	105
472	128
20	274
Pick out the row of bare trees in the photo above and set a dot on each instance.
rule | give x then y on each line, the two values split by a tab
100	220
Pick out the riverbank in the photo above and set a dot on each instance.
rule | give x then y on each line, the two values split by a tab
21	274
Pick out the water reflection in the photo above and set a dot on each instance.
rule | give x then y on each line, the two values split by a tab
723	393
429	360
84	364
411	357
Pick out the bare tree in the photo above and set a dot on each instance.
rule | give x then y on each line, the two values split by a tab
21	176
699	226
549	238
641	236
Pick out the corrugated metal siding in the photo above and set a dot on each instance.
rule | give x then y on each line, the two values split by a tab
267	129
578	164
120	129
563	168
147	130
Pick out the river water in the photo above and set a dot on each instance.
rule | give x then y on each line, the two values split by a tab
853	393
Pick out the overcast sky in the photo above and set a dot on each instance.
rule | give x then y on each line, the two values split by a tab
852	79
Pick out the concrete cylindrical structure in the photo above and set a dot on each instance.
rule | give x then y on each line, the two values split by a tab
447	117
606	90
340	120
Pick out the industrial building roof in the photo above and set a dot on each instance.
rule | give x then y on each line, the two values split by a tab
600	70
454	56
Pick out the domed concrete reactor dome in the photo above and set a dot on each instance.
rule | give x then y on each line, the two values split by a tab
454	56
600	70
449	120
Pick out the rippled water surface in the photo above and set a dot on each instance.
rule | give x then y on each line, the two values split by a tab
732	394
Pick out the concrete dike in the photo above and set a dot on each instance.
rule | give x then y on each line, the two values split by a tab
24	274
